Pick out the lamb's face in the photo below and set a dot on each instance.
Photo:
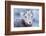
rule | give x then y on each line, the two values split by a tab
27	17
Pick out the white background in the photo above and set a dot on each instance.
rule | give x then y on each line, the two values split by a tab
2	19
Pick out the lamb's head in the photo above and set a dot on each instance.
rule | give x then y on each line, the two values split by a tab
27	17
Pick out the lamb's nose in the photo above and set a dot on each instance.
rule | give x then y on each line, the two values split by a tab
29	22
